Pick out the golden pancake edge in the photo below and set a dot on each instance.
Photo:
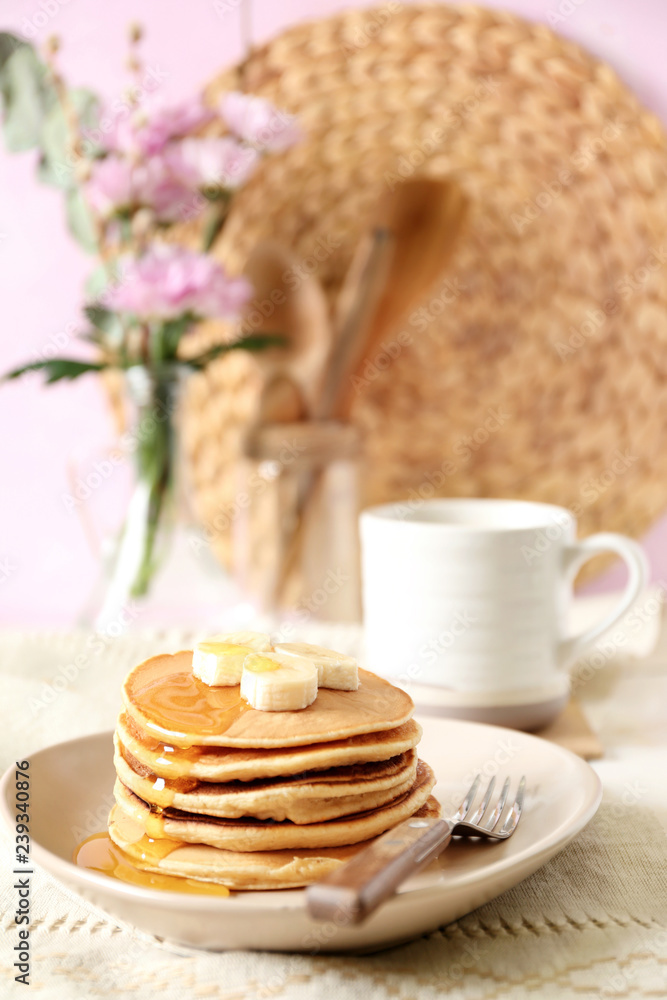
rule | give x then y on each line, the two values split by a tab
165	699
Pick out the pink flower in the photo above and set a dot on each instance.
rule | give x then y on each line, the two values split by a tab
111	186
118	185
258	122
211	162
165	181
160	188
150	126
170	281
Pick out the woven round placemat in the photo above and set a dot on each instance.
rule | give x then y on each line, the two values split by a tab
537	369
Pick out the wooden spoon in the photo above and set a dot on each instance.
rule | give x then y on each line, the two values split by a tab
423	219
290	303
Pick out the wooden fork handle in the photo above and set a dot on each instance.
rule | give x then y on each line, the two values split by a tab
357	888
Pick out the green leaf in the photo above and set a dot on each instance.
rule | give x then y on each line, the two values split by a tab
253	342
80	221
56	369
27	96
97	282
169	337
8	45
125	225
103	319
58	156
108	323
156	442
94	337
54	174
214	221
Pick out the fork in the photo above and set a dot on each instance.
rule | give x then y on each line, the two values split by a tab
356	889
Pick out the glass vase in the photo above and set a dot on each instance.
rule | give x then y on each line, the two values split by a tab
295	539
133	558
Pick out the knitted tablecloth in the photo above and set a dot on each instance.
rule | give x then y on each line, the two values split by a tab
591	923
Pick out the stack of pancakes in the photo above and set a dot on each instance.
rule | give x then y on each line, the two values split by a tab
209	788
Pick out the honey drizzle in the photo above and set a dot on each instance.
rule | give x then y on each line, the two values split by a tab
99	854
176	760
183	708
163	790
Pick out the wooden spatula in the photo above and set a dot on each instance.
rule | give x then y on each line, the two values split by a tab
423	219
413	238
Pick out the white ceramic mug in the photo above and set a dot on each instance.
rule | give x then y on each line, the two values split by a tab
465	603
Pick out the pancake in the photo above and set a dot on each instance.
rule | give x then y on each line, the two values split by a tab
265	835
210	789
303	798
289	869
236	764
166	700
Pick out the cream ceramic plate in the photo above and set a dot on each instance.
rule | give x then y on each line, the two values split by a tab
71	786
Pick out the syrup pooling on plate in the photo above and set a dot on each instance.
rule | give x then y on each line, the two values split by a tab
99	854
180	707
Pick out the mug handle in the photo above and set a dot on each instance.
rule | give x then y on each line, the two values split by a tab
580	552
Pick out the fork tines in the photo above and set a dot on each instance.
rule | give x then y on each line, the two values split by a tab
474	821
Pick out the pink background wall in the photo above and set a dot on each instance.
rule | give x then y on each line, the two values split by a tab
47	564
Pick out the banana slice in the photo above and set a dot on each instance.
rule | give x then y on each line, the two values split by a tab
334	670
272	682
218	661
